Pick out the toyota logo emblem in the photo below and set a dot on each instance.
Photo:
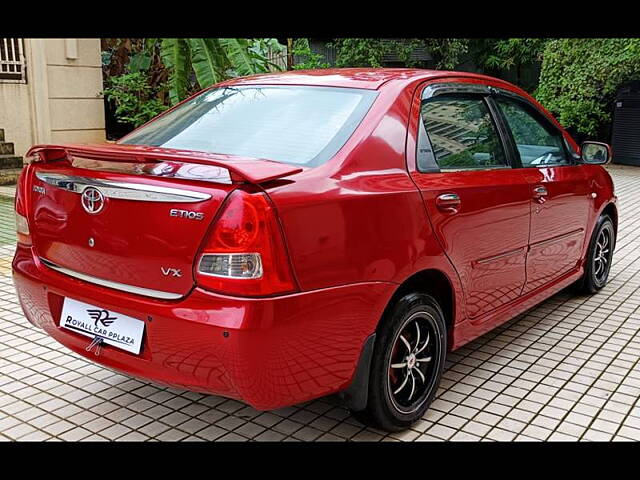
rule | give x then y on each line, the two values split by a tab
92	200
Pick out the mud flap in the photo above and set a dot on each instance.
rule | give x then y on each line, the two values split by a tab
355	396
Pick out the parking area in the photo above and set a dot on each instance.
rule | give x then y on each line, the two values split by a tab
566	370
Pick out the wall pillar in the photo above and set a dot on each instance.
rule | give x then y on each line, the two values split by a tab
38	81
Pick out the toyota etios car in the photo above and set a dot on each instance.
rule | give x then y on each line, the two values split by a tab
282	237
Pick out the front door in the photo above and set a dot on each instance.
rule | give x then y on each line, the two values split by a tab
479	206
560	193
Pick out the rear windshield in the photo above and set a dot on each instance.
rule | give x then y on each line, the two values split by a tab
290	124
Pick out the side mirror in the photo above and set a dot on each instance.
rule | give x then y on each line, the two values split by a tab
595	153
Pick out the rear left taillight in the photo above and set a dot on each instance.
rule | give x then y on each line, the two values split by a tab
22	224
245	252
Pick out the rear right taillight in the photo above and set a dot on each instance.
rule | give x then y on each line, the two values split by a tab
245	252
22	224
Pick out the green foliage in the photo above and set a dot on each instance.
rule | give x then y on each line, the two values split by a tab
135	100
207	61
369	52
140	61
245	57
514	52
360	52
515	59
262	47
447	52
301	49
212	60
142	76
105	56
579	78
175	56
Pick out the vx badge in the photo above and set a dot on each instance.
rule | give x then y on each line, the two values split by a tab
175	272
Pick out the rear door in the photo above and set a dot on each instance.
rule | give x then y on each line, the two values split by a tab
560	193
478	204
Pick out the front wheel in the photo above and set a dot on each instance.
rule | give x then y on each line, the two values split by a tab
599	257
407	363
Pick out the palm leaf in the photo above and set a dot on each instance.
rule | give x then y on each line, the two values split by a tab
208	60
149	43
242	59
175	56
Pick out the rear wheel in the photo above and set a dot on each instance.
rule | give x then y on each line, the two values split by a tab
599	257
407	363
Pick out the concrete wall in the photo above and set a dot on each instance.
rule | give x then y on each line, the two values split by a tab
15	115
61	101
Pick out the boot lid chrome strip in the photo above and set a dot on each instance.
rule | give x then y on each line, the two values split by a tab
147	292
122	190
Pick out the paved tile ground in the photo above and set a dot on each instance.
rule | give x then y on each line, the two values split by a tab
566	370
7	190
7	221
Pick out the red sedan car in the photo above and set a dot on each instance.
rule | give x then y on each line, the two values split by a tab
282	237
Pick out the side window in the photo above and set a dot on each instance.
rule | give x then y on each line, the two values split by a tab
538	142
462	133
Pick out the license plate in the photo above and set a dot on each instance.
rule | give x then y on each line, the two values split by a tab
114	328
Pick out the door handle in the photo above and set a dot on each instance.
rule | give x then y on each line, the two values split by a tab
448	202
539	193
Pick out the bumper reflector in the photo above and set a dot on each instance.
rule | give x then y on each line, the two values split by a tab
22	229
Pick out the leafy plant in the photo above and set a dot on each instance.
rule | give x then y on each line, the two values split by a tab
143	76
175	56
519	59
211	60
369	52
579	79
302	49
140	61
447	52
135	100
360	52
514	52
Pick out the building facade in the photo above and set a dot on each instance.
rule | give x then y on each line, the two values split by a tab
50	92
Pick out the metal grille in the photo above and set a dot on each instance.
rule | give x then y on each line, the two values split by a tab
626	121
625	140
12	65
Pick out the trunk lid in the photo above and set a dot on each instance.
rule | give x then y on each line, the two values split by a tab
131	218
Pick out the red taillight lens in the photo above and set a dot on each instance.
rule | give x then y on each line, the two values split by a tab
22	224
245	252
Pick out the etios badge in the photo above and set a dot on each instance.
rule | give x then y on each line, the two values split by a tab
92	200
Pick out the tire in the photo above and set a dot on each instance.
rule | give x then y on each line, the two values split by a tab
596	272
398	396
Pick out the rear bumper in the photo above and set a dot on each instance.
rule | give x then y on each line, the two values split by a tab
269	352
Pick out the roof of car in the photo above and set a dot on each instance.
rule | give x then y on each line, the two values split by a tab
367	78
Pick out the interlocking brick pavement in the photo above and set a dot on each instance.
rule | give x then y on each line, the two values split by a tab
566	370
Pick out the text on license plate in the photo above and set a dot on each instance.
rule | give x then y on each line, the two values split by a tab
114	328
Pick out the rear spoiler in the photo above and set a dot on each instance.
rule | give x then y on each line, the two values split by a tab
241	169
